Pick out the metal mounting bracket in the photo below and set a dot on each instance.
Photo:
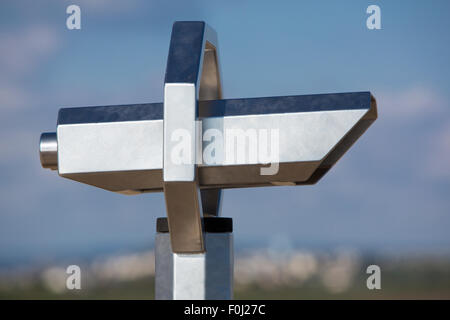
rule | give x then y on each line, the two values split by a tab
192	74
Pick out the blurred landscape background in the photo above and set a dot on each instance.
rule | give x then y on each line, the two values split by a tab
386	202
259	274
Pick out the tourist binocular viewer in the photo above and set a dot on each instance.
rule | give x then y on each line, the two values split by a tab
196	143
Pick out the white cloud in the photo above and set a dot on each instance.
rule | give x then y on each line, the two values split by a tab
109	7
438	161
411	103
22	50
12	97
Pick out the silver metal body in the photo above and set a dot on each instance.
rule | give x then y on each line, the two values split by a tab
207	275
48	150
120	148
192	64
231	143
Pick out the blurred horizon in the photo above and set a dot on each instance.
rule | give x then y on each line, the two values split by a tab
389	194
258	274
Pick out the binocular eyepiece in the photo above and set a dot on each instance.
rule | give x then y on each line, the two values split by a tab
48	150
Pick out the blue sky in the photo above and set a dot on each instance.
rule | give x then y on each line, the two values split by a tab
390	192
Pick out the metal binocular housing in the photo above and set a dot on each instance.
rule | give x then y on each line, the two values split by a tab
196	143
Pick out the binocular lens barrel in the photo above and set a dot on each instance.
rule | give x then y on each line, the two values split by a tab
48	150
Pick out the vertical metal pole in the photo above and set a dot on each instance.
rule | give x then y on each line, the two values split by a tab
202	276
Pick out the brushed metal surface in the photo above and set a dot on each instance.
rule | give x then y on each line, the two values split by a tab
192	73
48	150
126	156
197	276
